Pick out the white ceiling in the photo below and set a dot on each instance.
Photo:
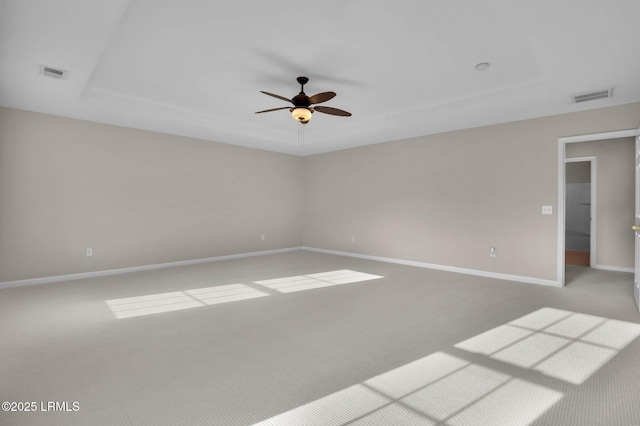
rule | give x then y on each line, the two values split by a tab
403	68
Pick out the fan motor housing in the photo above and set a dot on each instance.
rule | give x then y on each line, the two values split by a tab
301	100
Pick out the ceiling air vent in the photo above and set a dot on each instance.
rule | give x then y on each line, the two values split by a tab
52	72
590	96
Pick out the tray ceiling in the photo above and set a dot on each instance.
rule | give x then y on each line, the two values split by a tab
404	69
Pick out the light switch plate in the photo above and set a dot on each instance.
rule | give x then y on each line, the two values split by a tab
547	209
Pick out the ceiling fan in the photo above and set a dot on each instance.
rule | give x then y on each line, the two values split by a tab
302	110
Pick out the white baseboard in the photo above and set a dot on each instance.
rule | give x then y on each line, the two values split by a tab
496	275
83	275
613	268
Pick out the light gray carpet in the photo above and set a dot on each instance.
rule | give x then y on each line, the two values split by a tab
341	349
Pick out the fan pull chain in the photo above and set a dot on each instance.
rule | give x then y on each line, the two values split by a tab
300	135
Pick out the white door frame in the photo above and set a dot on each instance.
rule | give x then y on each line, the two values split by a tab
636	220
562	143
593	211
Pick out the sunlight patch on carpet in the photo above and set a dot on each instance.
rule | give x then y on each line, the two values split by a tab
311	281
178	300
437	389
565	345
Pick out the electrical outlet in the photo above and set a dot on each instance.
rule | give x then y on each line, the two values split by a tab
264	237
89	252
493	252
547	209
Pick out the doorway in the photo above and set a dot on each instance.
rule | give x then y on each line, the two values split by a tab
562	148
580	210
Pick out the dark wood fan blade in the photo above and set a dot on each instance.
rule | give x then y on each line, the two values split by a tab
332	111
321	97
272	109
277	96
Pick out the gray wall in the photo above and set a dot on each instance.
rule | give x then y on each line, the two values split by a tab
615	198
446	199
140	198
134	197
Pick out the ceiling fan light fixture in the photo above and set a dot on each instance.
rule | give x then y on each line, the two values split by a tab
301	114
302	104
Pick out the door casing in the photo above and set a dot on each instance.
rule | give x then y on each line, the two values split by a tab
636	266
